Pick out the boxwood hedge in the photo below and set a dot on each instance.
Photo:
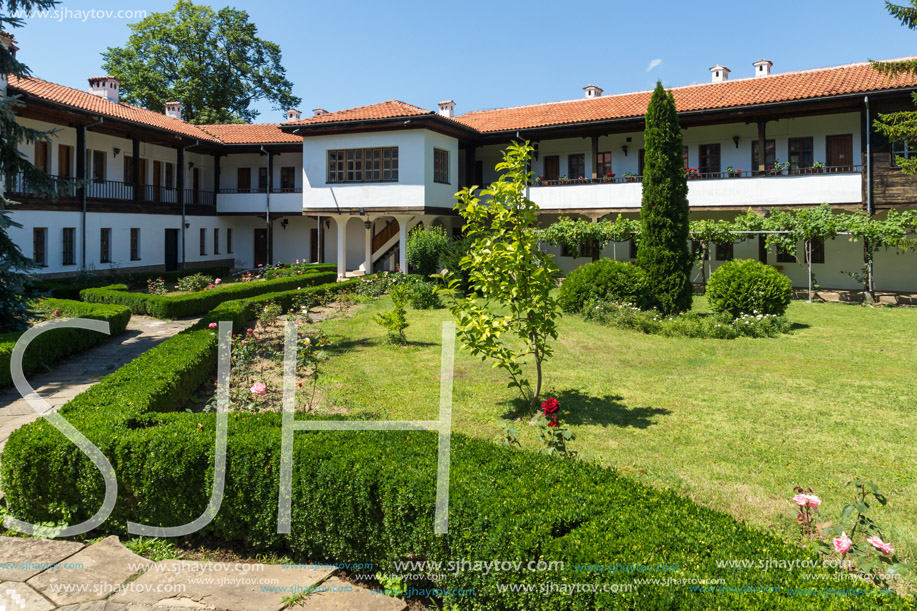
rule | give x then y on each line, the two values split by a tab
56	344
191	304
69	288
369	497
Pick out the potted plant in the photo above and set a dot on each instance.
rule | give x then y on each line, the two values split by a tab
563	179
541	180
818	167
609	177
732	172
630	177
778	167
692	173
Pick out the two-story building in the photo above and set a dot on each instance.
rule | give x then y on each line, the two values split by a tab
347	186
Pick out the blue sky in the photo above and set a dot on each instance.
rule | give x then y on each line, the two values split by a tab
341	54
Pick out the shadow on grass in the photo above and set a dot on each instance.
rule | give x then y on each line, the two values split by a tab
796	326
587	409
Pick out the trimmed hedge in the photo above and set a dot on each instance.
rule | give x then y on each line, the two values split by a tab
603	280
746	286
56	344
191	304
369	497
69	288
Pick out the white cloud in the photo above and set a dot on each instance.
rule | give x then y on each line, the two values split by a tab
653	64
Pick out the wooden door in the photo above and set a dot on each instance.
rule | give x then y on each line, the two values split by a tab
171	250
157	181
313	245
552	167
839	153
244	180
64	161
196	185
260	254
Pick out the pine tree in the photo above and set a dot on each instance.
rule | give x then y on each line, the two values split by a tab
901	126
663	247
14	266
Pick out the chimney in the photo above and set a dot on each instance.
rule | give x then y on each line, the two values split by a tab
447	109
8	41
763	67
173	110
106	87
293	115
317	112
720	73
592	91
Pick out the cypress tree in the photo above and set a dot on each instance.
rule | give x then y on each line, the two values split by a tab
663	248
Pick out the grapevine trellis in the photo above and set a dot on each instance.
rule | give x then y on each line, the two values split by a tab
784	230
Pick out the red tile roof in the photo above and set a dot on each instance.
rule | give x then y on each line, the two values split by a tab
383	110
250	133
803	85
83	100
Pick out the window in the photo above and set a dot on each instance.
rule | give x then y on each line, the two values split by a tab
243	180
801	153
288	179
216	241
69	246
43	156
770	154
684	157
725	252
709	159
818	250
135	243
229	241
262	180
203	241
633	249
903	149
441	166
576	166
105	245
603	164
784	257
40	246
65	161
363	165
98	166
170	175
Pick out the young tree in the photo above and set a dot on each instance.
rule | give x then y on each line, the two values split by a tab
14	266
900	126
663	252
508	313
211	61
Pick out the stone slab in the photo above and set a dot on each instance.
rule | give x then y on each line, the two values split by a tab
15	596
22	558
105	566
230	586
104	605
337	595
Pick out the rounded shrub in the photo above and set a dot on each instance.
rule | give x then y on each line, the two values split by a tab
745	286
425	249
604	280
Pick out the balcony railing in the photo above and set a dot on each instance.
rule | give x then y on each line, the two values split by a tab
262	190
845	169
113	190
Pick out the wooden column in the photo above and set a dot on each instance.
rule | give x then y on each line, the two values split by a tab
179	197
216	177
762	147
135	169
595	157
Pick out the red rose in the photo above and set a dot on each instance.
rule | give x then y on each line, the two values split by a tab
550	406
553	423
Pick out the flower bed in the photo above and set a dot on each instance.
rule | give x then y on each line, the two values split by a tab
369	496
190	304
56	344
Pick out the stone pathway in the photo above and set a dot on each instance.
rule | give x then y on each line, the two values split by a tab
71	377
43	574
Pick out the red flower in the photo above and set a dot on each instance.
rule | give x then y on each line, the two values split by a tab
550	406
553	423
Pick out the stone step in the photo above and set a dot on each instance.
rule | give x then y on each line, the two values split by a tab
334	594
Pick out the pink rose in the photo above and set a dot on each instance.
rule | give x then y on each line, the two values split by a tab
249	331
801	499
259	389
212	325
885	548
842	544
217	281
57	312
813	501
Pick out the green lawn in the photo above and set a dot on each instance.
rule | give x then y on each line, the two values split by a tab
733	424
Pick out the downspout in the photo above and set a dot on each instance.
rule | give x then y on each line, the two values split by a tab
83	203
870	208
267	216
184	254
